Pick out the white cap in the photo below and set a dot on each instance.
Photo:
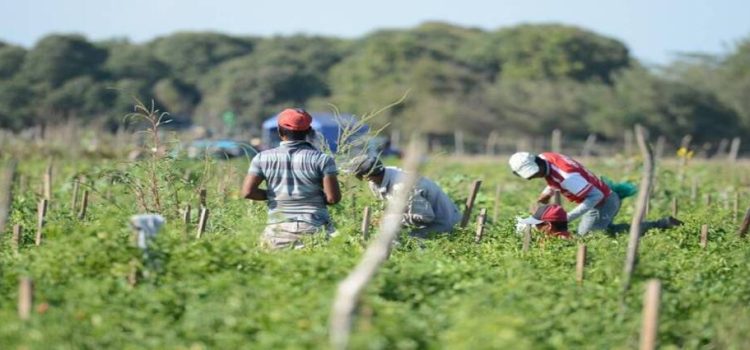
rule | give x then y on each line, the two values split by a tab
523	164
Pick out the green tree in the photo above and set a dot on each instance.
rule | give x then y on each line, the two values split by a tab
57	58
11	60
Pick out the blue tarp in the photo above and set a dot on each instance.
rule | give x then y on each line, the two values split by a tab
324	124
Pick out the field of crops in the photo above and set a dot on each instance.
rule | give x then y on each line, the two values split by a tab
222	291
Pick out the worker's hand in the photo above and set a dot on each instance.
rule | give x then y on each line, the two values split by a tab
544	198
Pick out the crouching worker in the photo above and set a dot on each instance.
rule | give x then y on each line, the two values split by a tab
429	209
552	220
300	183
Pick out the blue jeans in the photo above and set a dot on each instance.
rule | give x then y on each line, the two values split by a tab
600	218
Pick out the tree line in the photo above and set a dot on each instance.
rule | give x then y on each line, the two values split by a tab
528	79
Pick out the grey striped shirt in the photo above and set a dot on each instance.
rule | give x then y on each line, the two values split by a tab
294	174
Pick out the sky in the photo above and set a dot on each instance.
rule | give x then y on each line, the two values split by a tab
656	31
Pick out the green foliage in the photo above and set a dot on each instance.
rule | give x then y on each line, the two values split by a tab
57	58
224	291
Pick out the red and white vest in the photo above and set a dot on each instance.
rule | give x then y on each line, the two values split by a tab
571	178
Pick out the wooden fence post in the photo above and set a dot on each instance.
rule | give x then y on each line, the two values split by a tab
675	208
25	298
580	263
203	220
458	139
704	236
481	219
588	146
735	149
640	209
366	223
556	141
650	324
470	202
41	214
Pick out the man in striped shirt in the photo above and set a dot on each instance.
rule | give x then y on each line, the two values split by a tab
597	203
300	182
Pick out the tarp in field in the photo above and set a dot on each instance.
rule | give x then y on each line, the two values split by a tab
324	124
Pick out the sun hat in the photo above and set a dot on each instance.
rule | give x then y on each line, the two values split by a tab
523	164
295	119
546	213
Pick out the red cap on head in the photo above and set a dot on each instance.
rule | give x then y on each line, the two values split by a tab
295	119
552	212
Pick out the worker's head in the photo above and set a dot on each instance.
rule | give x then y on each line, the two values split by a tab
527	165
294	124
366	166
549	218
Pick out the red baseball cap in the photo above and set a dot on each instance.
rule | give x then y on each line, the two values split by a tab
295	119
547	213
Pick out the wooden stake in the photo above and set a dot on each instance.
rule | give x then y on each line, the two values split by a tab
704	236
48	182
458	139
526	239
745	224
25	298
470	202
588	147
481	219
640	209
734	150
186	215
650	324
496	210
660	145
17	234
349	290
580	262
41	214
202	222
6	193
84	205
74	198
366	223
694	190
203	197
708	199
675	208
556	141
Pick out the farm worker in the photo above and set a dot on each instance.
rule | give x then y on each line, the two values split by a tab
598	204
300	183
429	209
552	220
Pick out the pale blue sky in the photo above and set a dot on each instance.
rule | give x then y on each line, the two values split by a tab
654	30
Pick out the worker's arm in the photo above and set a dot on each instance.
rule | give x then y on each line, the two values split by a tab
251	188
545	196
593	197
331	189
